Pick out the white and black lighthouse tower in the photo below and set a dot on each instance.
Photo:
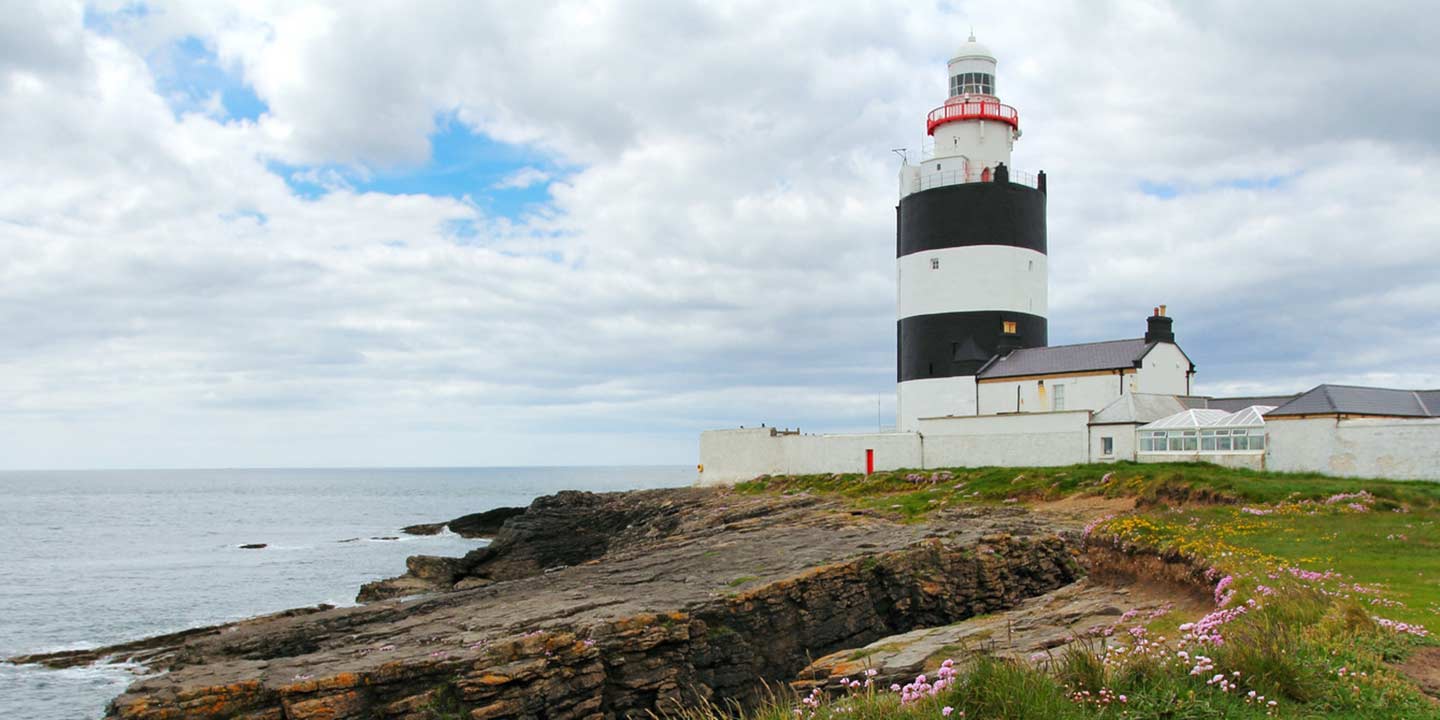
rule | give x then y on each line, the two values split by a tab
970	247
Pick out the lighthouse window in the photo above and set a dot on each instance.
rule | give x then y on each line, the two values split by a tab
972	83
934	263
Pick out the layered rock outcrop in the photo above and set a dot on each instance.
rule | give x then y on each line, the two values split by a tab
475	525
603	606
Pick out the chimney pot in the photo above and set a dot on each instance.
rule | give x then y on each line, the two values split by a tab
1159	328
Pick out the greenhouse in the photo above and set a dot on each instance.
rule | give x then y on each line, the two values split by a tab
1207	432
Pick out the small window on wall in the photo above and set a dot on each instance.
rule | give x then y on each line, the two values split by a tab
1059	397
1009	327
934	263
1107	446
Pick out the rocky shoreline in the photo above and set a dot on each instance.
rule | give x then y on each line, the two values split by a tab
611	605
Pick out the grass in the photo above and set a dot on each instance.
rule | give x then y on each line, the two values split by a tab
1310	577
1393	557
915	493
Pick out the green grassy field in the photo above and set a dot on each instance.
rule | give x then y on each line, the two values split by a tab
1319	590
915	489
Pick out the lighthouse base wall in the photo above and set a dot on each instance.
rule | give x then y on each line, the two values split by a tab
934	397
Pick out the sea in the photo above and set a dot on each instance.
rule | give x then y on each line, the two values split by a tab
92	558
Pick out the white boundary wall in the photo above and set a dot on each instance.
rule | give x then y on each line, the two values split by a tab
730	456
1037	439
1397	448
1033	439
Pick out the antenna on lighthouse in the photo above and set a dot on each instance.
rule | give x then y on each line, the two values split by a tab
901	153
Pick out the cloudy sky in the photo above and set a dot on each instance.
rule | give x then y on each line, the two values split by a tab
486	233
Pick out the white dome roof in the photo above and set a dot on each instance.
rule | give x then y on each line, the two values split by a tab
971	48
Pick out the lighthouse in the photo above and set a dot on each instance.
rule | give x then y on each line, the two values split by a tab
970	247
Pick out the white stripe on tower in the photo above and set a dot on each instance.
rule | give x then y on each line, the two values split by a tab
975	277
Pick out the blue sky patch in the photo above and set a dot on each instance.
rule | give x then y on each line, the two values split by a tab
106	22
188	74
1166	190
255	216
1266	183
462	229
465	164
303	181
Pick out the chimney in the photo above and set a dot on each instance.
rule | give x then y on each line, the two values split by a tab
1159	327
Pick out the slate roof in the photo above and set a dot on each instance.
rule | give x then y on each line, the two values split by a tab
1253	416
1137	408
1085	357
1236	404
1357	400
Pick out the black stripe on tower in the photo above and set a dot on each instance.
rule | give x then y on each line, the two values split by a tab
984	213
958	343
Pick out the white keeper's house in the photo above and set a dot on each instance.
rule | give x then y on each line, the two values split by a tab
979	384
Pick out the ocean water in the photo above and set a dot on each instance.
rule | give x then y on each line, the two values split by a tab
99	557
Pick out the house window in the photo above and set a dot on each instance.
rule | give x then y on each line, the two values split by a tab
1107	446
934	263
1008	327
1059	397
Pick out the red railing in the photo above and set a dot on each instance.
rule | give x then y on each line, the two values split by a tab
972	110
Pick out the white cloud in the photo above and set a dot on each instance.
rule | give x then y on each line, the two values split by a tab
523	178
722	252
